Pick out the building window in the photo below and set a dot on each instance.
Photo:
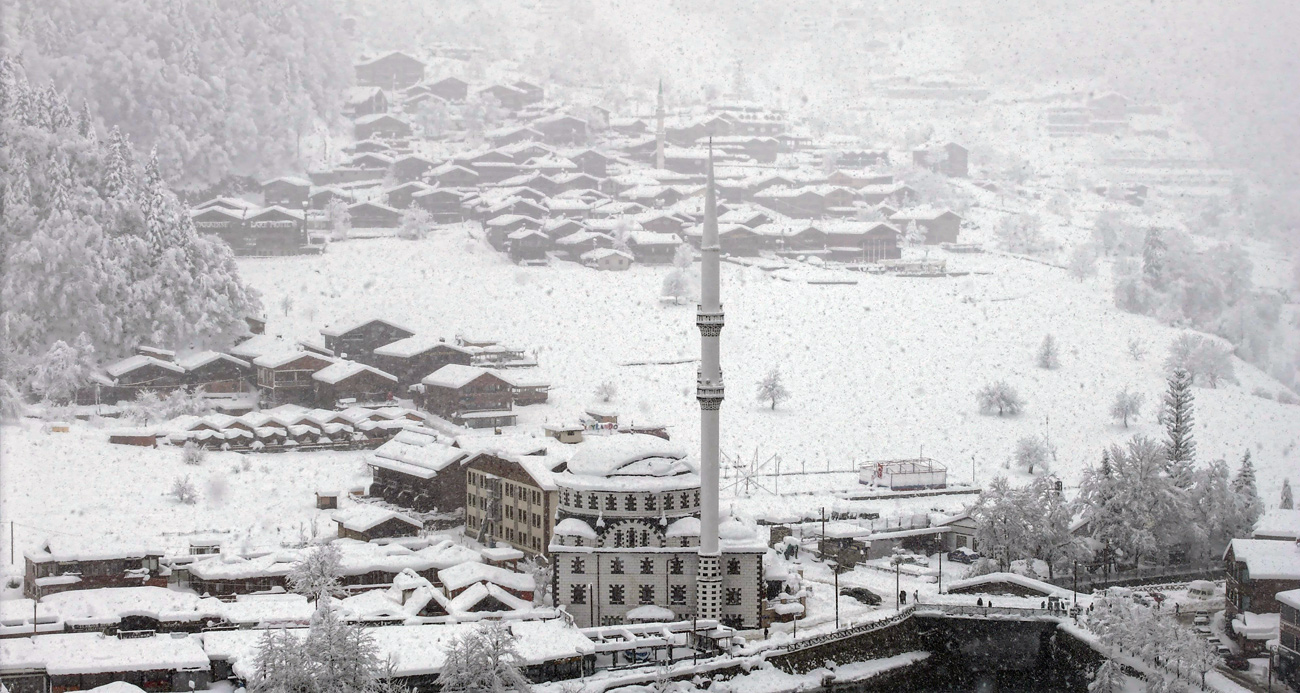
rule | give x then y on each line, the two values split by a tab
611	503
647	595
578	566
564	497
733	596
616	566
651	502
697	497
675	566
645	537
685	542
579	594
615	594
733	566
647	566
537	520
591	502
677	595
686	500
668	501
618	539
630	504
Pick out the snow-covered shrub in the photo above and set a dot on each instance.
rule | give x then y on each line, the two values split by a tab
416	222
483	660
1286	397
1083	261
317	574
983	566
607	391
1137	349
1047	355
1001	399
1261	392
60	373
183	490
340	219
1023	233
192	454
12	406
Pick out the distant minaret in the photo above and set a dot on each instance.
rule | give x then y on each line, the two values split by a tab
708	390
659	129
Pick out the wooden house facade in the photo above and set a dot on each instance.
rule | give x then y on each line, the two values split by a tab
412	358
215	372
358	340
286	378
348	383
56	567
395	70
455	390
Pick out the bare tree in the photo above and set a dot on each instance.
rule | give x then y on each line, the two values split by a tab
771	389
192	454
1127	405
1137	349
1001	398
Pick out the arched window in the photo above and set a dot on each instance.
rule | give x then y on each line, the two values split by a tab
611	503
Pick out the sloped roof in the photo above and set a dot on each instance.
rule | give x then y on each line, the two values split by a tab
342	370
455	376
365	517
346	327
416	345
132	363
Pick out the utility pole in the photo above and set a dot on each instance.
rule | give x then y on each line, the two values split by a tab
835	570
1076	582
898	594
941	570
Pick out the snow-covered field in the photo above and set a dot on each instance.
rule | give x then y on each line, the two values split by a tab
880	369
885	368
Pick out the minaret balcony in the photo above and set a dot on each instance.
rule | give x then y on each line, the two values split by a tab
709	322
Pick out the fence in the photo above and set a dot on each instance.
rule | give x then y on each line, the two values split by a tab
819	640
1208	570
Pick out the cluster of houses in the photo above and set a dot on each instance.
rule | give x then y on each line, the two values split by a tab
282	428
603	190
470	382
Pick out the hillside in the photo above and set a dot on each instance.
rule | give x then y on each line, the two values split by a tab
897	361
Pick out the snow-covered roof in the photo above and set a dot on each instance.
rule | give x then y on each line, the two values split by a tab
633	454
291	180
454	376
1013	578
364	517
1290	597
502	553
416	453
597	254
346	327
257	345
203	358
573	527
276	360
1278	523
685	527
1267	559
132	363
64	548
466	601
650	612
920	214
416	345
342	370
67	654
460	576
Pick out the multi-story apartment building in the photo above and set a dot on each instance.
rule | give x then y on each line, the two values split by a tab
511	499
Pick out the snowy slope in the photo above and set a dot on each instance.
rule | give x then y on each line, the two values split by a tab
877	370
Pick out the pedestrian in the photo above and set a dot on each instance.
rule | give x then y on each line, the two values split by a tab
1042	605
916	597
1175	608
902	596
979	602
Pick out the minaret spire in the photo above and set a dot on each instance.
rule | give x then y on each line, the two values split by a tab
709	392
659	128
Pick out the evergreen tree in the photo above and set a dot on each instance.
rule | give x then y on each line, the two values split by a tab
118	176
1287	503
1153	258
1047	357
85	123
1180	447
483	661
1246	494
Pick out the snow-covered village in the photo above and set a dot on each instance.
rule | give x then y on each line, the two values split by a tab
562	346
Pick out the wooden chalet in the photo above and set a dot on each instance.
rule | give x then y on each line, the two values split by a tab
949	159
450	89
65	564
561	129
862	241
467	395
510	98
139	373
395	70
370	522
1256	570
358	340
443	205
347	383
560	227
285	378
373	215
499	228
401	196
409	168
528	246
653	248
592	162
607	259
579	243
363	101
415	470
857	180
286	191
532	93
860	158
272	230
381	125
321	197
513	135
215	372
414	357
454	176
941	225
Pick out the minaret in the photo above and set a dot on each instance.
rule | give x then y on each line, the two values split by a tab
708	390
659	129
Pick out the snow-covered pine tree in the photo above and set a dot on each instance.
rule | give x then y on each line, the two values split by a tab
1047	355
1153	258
1180	447
1246	494
317	574
1287	503
119	174
1127	405
85	122
483	661
771	390
153	202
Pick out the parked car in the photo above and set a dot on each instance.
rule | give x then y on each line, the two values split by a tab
962	554
1159	597
1139	598
1222	649
1237	661
862	594
1202	618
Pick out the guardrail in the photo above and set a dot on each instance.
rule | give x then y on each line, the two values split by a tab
985	611
818	640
